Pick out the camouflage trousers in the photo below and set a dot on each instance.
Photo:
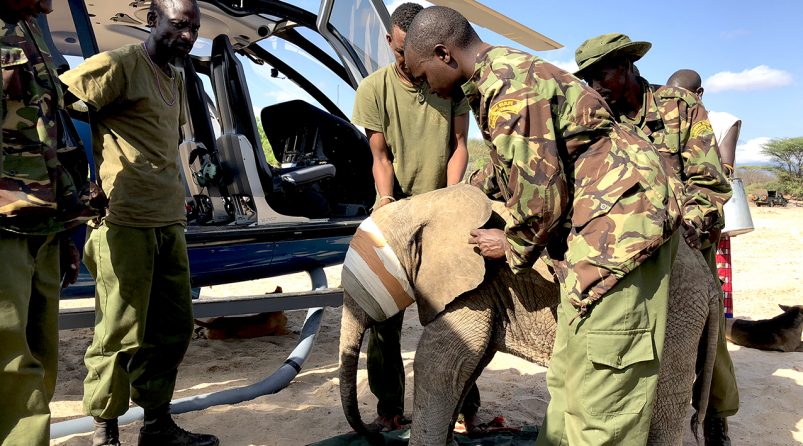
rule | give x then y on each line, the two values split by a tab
386	370
143	317
604	368
724	397
29	311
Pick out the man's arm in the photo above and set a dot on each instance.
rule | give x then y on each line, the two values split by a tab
368	112
537	198
706	188
382	167
458	162
97	81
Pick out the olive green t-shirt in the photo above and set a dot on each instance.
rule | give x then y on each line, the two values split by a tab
417	128
135	134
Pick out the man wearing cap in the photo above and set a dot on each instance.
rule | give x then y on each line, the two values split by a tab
675	121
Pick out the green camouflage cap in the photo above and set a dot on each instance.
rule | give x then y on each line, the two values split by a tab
598	48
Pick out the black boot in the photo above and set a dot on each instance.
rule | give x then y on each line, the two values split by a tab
106	433
715	431
159	429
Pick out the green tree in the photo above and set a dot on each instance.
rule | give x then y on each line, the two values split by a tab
787	159
478	155
266	147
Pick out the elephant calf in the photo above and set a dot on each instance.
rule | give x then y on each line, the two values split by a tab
471	309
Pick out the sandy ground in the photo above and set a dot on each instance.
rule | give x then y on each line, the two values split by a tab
767	271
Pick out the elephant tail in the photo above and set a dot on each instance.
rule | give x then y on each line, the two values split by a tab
709	347
353	325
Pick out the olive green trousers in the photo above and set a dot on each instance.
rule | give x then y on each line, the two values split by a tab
723	400
604	368
29	336
143	316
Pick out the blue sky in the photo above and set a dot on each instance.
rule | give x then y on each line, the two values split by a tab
748	53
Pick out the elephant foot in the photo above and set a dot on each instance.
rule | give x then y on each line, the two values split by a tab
387	424
715	431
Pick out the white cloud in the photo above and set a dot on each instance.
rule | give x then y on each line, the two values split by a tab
759	78
566	65
750	152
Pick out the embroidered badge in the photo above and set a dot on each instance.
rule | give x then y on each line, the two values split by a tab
503	108
701	128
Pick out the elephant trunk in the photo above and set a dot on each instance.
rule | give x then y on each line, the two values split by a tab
354	322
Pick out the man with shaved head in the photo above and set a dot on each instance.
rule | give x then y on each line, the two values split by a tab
724	397
688	79
589	194
726	126
137	252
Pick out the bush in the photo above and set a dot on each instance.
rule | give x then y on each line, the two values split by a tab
266	147
478	155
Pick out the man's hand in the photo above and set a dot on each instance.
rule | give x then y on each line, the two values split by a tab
714	235
383	202
97	198
691	235
492	243
69	260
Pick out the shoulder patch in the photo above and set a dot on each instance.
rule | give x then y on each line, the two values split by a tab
701	128
504	107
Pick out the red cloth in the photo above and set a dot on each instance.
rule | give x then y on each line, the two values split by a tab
725	272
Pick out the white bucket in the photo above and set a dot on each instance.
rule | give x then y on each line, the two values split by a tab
737	212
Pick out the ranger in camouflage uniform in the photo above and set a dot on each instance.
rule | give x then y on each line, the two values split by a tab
589	192
675	121
38	200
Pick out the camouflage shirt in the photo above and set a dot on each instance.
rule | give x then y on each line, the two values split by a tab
595	195
37	193
676	122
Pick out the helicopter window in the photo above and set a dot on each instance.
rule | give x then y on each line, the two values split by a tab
358	22
269	86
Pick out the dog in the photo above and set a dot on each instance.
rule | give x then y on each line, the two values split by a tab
243	327
781	333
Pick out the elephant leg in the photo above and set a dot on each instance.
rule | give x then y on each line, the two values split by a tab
451	350
691	332
469	403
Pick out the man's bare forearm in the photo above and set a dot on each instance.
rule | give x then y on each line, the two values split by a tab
456	168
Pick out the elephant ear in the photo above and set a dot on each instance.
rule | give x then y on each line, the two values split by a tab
441	264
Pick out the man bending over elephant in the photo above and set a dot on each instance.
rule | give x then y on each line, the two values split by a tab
593	195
